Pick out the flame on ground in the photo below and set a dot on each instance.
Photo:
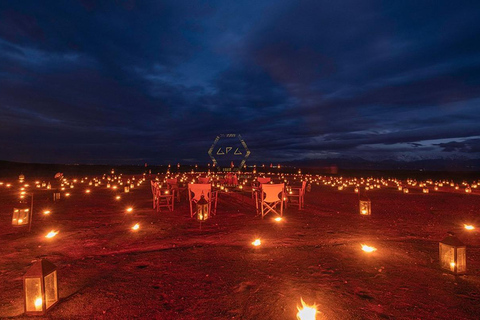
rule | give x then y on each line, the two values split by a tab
136	227
306	312
51	234
469	227
257	242
368	248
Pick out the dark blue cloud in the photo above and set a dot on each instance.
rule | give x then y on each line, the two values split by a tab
156	81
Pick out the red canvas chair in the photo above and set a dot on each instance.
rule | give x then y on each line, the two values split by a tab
298	195
257	185
271	199
195	192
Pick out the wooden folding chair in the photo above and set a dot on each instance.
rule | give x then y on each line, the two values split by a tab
153	186
165	199
297	195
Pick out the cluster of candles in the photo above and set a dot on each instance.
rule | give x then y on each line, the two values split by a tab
115	182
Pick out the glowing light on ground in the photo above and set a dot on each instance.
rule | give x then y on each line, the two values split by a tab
306	312
257	242
368	248
136	227
118	197
46	211
51	234
87	191
129	209
278	219
469	227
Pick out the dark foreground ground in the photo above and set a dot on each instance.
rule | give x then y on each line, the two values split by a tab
173	269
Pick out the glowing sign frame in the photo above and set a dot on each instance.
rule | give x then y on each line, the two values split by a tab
228	149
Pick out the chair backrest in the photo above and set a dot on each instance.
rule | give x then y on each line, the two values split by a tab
272	192
198	189
203	180
263	180
153	185
172	181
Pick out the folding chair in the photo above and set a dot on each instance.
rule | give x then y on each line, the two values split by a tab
195	192
271	199
172	184
257	186
153	186
298	195
165	199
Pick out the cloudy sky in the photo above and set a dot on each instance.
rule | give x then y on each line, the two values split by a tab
156	81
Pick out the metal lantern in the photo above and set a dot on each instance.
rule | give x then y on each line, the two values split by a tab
365	207
40	287
21	216
202	209
453	254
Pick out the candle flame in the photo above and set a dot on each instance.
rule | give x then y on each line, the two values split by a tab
46	211
469	227
278	219
368	248
38	303
306	312
129	209
136	227
51	234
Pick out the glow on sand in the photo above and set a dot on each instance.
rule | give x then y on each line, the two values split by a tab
306	312
368	248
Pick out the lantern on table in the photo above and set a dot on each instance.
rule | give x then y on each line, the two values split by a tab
202	209
365	206
453	254
40	287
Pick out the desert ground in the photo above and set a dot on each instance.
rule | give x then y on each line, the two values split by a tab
173	267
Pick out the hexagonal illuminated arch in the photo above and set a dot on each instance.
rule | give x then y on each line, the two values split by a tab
236	150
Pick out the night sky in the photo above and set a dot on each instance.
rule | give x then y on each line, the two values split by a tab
128	82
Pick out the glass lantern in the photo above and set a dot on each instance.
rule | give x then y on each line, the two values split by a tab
365	207
40	287
202	209
21	214
453	254
126	189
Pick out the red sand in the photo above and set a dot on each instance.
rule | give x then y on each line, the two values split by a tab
172	269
